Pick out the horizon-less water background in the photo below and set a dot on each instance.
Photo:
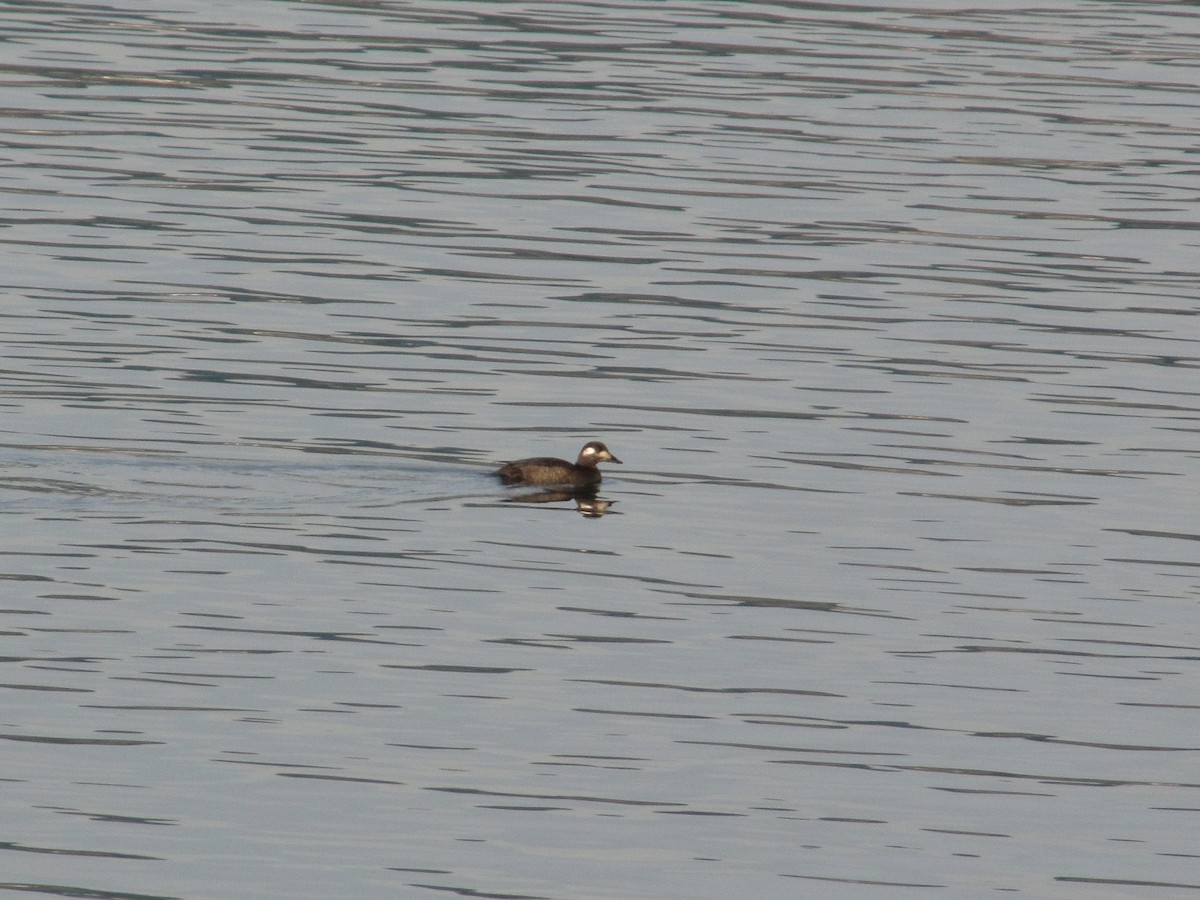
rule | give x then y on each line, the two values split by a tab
890	310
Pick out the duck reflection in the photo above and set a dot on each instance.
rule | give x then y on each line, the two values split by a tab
587	503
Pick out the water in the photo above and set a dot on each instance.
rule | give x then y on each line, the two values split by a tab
890	311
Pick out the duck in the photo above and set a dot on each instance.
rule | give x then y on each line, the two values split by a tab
582	473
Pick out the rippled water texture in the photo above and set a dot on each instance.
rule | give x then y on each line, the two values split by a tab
890	311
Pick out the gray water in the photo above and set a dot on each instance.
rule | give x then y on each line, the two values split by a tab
890	311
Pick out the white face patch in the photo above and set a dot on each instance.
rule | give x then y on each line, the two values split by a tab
589	451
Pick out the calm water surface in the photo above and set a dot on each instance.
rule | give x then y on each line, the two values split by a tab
891	312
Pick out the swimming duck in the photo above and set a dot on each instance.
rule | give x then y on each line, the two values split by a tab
550	470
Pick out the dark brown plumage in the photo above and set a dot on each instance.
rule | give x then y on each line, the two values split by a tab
550	470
